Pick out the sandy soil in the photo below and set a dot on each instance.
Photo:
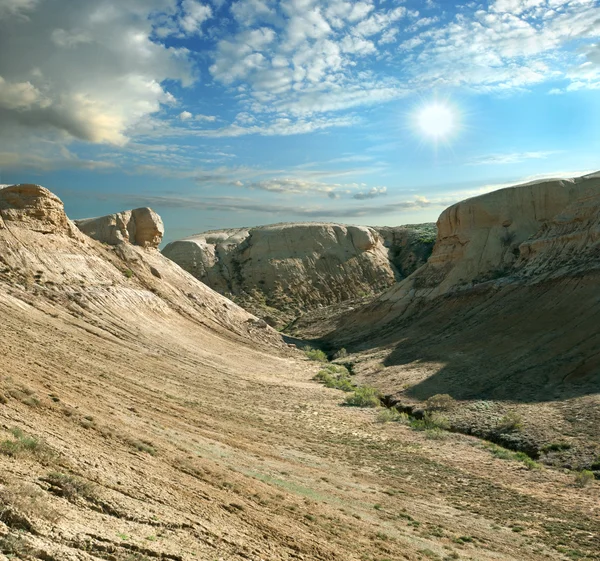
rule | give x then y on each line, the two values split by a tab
161	438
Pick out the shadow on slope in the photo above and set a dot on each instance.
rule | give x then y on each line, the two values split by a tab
521	343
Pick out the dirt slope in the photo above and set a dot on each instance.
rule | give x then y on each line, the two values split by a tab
145	417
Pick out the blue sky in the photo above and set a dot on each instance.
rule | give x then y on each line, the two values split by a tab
222	114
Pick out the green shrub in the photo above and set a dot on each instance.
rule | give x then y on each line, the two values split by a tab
24	444
505	454
584	478
316	354
335	376
128	273
430	421
365	396
511	422
342	353
391	416
440	402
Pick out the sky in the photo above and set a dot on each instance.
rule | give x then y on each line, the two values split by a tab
223	114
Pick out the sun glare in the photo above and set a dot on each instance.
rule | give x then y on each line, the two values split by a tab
436	120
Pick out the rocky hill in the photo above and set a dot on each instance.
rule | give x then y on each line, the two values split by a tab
143	416
281	271
505	309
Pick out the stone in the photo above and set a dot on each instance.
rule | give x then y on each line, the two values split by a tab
33	207
141	226
296	267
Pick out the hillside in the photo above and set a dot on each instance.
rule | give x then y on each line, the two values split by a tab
282	271
143	416
504	313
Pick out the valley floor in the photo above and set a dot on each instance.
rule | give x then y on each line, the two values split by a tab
163	439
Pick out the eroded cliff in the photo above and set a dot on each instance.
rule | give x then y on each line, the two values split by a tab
284	270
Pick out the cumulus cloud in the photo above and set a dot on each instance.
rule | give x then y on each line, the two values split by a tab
87	70
194	15
303	57
509	46
371	193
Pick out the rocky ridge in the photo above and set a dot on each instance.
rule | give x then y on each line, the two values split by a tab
281	271
505	311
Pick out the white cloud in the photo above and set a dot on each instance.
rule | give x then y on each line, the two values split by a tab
185	115
87	70
371	193
19	95
16	8
512	45
303	57
194	15
512	158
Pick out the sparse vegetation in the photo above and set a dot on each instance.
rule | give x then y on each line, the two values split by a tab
315	354
511	422
69	486
440	402
364	396
28	500
143	446
15	546
584	478
429	422
342	353
335	376
128	273
24	444
386	415
505	454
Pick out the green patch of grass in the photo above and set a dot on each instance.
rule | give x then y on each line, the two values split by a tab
128	273
391	416
364	396
556	447
24	444
463	539
584	478
504	454
335	376
316	354
429	422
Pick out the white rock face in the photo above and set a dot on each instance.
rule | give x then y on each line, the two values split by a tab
508	232
299	266
35	208
141	226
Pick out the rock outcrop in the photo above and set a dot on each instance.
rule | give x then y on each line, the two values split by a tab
505	308
141	226
489	237
34	208
48	262
292	268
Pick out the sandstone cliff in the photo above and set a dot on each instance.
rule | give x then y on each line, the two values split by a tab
141	226
507	305
44	254
283	270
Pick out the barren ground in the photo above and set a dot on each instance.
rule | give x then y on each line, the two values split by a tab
164	439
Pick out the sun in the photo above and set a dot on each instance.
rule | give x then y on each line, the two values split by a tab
437	120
